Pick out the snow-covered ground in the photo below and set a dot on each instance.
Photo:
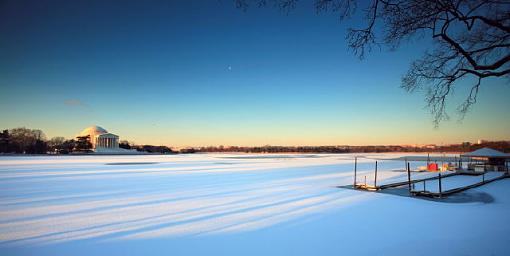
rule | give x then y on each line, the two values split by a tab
242	204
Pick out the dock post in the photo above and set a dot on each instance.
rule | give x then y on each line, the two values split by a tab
375	178
355	169
424	186
409	177
428	160
483	177
440	186
442	164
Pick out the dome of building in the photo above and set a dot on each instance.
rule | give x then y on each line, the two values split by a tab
93	131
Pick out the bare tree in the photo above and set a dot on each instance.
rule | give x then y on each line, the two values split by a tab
27	140
38	134
471	40
22	138
56	143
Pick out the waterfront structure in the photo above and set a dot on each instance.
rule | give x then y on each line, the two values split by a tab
101	139
488	159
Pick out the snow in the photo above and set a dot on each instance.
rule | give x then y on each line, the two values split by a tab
236	204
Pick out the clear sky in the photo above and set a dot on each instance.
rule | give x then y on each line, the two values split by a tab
198	73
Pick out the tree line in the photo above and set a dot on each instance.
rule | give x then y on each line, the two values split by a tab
462	147
33	141
146	148
23	140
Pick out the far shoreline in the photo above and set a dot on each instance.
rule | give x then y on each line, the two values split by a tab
234	152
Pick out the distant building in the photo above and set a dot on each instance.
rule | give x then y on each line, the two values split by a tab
480	141
429	146
101	139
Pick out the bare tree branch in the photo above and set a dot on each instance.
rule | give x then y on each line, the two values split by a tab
471	39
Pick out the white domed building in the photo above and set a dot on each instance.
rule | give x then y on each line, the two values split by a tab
101	139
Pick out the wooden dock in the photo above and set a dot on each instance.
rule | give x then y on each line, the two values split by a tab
456	190
368	187
410	182
398	184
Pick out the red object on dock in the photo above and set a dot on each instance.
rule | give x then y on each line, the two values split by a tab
432	167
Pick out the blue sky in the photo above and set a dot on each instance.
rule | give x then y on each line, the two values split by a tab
191	73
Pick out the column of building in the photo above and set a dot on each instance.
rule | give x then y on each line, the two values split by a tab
107	142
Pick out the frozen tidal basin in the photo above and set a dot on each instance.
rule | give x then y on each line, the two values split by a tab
221	204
